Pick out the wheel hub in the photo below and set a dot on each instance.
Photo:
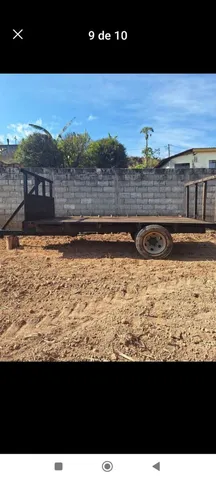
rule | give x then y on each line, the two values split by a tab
154	243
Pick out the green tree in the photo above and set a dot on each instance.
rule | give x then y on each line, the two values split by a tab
152	159
42	129
38	150
106	153
147	131
134	162
74	149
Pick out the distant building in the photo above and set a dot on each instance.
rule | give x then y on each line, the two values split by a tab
7	151
192	158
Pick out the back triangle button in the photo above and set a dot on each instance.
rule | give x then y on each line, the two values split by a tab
157	466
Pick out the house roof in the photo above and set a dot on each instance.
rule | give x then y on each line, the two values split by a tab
8	146
185	152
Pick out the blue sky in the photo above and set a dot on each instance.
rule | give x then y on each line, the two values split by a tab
180	108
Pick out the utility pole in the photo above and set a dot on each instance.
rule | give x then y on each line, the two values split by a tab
169	149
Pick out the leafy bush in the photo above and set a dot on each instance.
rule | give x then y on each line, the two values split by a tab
39	150
74	149
106	153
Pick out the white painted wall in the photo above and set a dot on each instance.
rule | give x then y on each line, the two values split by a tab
201	157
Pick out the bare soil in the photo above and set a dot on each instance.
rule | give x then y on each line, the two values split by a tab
95	299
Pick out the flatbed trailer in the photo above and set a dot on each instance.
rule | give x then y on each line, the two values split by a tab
152	234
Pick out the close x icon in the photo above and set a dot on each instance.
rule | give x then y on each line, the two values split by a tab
17	34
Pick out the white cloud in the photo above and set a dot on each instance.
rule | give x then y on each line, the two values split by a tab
39	122
19	130
191	94
10	137
22	130
91	117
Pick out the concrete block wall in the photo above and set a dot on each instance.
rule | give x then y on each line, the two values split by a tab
107	192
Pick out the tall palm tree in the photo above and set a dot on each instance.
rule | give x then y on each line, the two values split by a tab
114	138
147	132
38	127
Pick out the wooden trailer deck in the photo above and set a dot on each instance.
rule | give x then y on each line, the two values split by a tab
75	225
144	219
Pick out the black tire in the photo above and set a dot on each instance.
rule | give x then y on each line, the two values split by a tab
154	241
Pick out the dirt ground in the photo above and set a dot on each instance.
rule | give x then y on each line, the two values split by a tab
95	299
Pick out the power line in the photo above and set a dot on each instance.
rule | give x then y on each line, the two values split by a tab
178	146
167	147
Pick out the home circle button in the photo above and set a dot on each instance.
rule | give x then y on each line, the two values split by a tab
107	466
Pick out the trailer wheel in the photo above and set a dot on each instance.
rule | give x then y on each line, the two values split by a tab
154	241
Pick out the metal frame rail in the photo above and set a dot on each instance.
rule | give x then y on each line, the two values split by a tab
30	200
204	182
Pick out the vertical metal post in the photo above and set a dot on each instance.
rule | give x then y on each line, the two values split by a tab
43	189
25	184
187	201
215	206
195	200
36	185
204	200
